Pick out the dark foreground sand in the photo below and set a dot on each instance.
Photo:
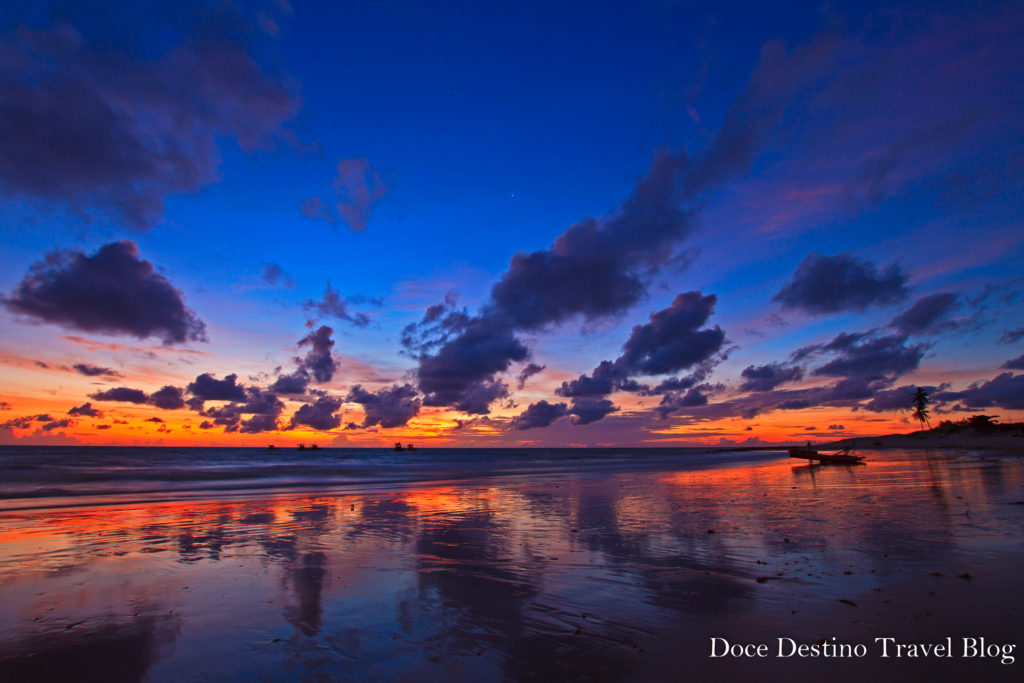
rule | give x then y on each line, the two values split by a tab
614	577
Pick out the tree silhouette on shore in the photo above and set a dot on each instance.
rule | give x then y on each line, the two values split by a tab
920	405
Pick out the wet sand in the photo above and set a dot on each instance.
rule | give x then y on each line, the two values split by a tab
623	576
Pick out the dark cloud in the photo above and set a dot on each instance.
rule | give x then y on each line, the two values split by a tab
871	357
389	407
358	187
1012	336
4	405
154	419
258	423
461	373
121	394
322	415
1014	363
168	398
836	428
96	123
96	371
527	372
113	292
927	315
767	377
671	341
207	388
318	361
540	414
899	398
295	383
831	284
589	410
57	424
85	410
1004	391
333	305
206	424
674	402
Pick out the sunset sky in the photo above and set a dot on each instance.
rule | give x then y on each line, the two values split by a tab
475	224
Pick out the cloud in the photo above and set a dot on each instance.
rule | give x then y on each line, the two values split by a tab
57	424
96	371
1014	363
539	414
589	410
1012	336
208	388
899	398
154	419
85	410
121	395
927	314
674	402
767	377
670	341
1004	391
259	423
358	187
527	372
291	384
322	415
389	407
871	357
113	292
168	398
274	275
832	284
319	362
836	428
95	123
333	305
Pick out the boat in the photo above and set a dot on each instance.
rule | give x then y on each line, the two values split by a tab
410	447
843	457
399	446
302	446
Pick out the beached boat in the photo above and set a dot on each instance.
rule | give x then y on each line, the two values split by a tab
843	457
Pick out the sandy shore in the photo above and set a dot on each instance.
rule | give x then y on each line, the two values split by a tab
624	576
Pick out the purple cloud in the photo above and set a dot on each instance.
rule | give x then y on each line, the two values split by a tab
928	314
112	292
333	305
1004	391
832	284
389	407
96	371
1014	363
767	377
358	187
85	410
539	414
322	415
99	127
121	395
318	361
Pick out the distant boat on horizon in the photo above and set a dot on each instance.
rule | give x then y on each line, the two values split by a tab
400	447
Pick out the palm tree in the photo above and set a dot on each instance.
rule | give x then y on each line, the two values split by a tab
920	404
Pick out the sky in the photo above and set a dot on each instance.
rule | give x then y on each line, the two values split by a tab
478	224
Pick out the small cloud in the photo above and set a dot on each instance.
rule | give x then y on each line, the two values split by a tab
357	187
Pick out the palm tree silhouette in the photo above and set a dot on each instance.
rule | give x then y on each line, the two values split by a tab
920	404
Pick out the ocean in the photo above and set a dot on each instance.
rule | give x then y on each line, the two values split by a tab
40	476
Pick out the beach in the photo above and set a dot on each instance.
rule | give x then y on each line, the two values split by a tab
562	572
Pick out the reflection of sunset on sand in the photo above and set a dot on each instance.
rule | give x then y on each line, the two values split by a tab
604	575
